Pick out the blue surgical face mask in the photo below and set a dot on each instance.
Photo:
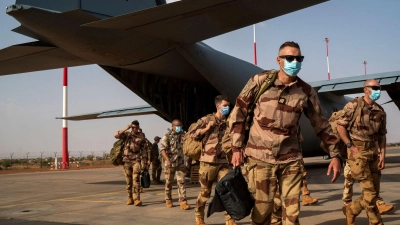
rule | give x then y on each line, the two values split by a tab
225	110
375	95
291	68
178	129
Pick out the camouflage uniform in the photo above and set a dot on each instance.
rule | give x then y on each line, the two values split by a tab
213	161
155	163
135	150
172	144
367	129
273	148
277	212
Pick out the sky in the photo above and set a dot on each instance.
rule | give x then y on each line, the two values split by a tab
359	30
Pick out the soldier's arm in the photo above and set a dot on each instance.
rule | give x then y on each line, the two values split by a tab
201	128
320	124
382	143
239	113
121	133
164	148
343	122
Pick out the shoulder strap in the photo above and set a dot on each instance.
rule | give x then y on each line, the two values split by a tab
271	77
269	80
357	112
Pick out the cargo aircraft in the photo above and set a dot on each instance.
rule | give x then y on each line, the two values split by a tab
155	50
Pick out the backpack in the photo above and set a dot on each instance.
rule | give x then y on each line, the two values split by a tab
232	195
332	121
192	148
116	152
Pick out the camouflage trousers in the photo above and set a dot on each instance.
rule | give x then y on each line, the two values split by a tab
132	176
180	172
209	172
277	213
349	181
264	180
364	168
156	170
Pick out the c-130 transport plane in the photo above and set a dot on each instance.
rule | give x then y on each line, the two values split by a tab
154	49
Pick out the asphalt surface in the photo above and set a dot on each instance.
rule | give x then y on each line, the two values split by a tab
97	197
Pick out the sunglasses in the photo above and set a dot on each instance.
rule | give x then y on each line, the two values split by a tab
375	88
290	58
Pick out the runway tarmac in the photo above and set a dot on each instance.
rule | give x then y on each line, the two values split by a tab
98	197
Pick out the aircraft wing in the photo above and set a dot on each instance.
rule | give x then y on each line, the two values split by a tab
190	21
390	82
35	56
132	111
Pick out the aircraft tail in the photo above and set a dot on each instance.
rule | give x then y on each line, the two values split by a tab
99	8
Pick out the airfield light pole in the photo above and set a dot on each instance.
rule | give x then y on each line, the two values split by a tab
365	67
255	45
65	158
327	57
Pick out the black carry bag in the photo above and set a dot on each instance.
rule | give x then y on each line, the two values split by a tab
145	179
232	195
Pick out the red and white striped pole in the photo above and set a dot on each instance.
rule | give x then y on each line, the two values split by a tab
327	57
65	158
255	45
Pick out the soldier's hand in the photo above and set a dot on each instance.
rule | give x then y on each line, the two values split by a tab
354	149
129	126
168	164
237	158
381	164
210	124
335	166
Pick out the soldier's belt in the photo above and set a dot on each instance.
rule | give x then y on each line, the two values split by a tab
364	144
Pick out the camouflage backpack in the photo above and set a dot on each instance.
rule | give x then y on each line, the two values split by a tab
192	147
116	152
332	121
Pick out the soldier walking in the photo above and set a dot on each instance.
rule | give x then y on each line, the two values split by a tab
273	149
172	152
156	167
214	163
135	150
365	138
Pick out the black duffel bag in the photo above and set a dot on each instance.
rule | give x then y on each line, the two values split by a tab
232	195
145	179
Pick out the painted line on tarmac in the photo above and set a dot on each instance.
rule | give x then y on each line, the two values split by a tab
61	199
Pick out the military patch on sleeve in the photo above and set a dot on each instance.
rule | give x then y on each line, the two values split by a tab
282	100
247	87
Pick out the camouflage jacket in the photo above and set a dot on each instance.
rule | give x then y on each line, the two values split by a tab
371	124
274	131
172	144
211	152
135	147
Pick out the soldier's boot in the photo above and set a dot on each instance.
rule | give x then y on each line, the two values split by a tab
308	200
169	204
137	202
130	201
350	217
184	206
275	220
230	222
382	207
200	221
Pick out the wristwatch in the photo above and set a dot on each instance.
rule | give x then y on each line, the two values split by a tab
349	144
